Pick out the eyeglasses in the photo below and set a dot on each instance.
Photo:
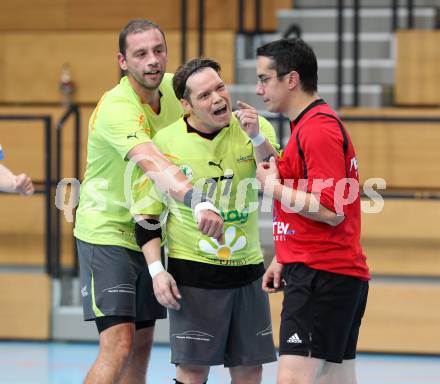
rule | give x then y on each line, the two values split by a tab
265	79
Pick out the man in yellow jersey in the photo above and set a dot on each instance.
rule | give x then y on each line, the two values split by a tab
218	312
115	285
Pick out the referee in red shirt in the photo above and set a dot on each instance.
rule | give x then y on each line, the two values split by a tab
315	186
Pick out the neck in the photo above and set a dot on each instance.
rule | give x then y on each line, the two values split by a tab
299	102
147	96
198	126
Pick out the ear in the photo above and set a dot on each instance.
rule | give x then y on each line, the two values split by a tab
122	62
186	105
294	79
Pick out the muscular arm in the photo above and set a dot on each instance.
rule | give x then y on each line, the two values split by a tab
165	174
173	182
322	214
310	206
164	285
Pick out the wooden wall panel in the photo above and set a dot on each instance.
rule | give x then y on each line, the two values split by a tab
219	46
403	154
113	15
100	15
394	312
26	303
417	70
391	112
404	238
92	57
22	230
32	15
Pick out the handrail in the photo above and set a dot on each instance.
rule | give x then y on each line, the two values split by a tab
394	16
356	52
72	110
340	54
49	185
201	27
356	45
257	18
183	30
410	15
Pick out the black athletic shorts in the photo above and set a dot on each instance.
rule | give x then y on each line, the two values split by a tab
321	314
115	282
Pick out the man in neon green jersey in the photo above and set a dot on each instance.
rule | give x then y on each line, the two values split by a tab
218	312
115	285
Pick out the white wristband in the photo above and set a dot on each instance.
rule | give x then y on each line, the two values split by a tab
258	140
203	206
155	267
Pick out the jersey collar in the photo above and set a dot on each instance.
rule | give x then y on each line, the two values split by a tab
308	108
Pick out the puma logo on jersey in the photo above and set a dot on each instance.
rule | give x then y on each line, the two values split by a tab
218	165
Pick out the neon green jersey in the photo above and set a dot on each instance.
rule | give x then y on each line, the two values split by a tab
225	168
119	122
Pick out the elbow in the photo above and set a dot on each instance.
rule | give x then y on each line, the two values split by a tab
335	220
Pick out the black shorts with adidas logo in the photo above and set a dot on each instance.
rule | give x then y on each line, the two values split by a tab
322	313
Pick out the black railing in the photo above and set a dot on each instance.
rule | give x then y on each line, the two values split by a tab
257	17
53	163
395	25
356	47
49	186
184	9
73	110
183	30
340	54
201	20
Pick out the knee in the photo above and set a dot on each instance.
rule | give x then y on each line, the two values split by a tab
117	342
247	375
192	374
255	374
287	378
124	347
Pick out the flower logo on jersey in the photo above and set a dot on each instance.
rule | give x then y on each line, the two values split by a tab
187	171
235	240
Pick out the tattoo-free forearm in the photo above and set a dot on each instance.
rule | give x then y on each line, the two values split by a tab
311	208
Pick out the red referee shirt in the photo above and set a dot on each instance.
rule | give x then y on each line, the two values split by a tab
320	156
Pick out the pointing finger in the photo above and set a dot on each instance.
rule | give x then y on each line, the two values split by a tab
243	105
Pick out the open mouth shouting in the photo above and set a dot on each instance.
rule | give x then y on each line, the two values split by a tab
221	111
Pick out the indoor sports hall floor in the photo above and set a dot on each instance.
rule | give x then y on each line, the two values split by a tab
66	363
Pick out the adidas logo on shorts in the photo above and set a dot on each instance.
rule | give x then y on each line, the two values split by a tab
294	339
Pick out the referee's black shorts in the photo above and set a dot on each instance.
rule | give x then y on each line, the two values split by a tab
321	314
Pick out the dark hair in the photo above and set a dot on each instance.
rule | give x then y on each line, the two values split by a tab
186	70
293	54
136	26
